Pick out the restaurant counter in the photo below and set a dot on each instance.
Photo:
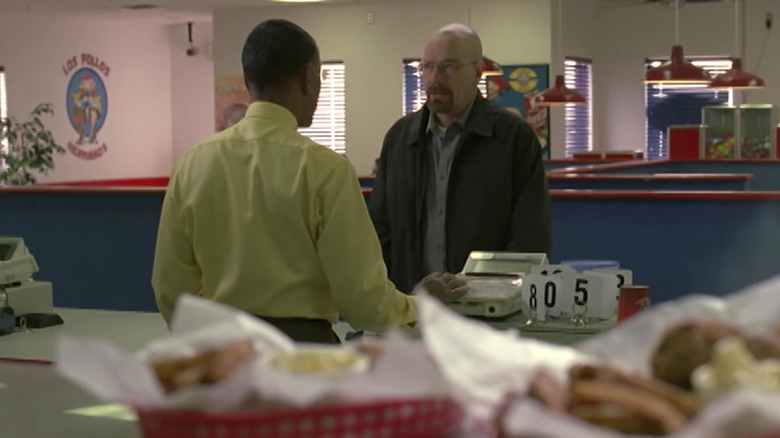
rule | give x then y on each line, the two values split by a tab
96	245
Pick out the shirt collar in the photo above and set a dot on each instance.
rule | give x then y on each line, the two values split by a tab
272	111
433	124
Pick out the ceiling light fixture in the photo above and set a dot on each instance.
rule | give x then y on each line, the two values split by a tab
677	69
736	78
559	94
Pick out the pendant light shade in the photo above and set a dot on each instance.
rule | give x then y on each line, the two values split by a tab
677	70
559	95
490	67
736	78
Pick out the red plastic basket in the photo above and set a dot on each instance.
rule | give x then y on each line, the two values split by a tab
419	418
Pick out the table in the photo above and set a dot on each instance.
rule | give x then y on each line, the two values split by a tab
554	331
129	330
34	402
35	399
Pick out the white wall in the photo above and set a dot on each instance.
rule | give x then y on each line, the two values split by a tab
162	101
756	37
192	86
137	130
573	33
515	31
625	36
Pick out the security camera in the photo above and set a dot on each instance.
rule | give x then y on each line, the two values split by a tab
192	51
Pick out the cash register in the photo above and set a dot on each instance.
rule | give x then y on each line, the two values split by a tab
23	301
495	280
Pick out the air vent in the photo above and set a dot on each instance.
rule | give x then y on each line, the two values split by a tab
140	7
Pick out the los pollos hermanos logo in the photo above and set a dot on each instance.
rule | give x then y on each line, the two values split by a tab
87	104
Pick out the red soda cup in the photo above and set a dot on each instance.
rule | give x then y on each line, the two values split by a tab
632	300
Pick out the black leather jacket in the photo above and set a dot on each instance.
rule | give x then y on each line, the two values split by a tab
497	197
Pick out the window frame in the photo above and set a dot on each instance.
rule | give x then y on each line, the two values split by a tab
3	112
574	114
330	130
713	64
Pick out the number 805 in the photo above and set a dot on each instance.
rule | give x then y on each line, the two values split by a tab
550	295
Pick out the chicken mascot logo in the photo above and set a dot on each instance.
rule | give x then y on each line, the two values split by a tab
87	105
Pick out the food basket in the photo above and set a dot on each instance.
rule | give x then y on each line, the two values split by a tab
418	418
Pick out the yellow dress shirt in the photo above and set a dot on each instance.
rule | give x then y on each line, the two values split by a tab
261	218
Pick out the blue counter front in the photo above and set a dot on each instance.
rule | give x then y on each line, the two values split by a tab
96	245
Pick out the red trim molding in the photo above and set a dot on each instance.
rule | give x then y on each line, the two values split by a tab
78	189
651	177
679	195
26	361
158	181
607	166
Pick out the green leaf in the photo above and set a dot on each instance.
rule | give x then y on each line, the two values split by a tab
31	147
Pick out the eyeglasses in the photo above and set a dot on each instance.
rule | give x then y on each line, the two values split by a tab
447	68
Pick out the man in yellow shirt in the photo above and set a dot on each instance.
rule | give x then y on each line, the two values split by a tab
261	218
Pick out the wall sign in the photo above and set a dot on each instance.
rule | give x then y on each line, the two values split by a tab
87	104
515	90
232	101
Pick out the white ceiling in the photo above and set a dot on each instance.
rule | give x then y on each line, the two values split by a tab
168	10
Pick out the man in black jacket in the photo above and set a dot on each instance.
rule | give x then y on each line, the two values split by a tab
459	175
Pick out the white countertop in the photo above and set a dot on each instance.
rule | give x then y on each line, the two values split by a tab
129	330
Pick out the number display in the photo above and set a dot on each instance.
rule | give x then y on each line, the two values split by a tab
555	272
581	292
550	295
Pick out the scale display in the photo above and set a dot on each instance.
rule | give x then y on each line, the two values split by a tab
502	263
495	280
16	262
6	251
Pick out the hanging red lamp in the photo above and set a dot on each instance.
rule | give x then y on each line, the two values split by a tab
490	67
736	78
559	95
677	70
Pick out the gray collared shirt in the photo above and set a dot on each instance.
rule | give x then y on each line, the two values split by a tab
441	144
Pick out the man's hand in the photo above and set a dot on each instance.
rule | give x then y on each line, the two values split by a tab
445	287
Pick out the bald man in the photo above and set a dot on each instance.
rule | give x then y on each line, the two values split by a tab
459	175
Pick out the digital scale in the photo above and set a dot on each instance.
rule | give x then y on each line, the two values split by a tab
495	280
20	295
17	264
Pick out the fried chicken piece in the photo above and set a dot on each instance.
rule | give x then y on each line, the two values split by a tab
207	367
690	345
653	414
686	402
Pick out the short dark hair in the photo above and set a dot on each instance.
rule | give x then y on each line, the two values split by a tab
274	52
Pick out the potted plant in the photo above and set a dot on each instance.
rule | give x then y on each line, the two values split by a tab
28	148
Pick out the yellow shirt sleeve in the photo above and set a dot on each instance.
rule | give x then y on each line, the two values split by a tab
351	257
175	270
